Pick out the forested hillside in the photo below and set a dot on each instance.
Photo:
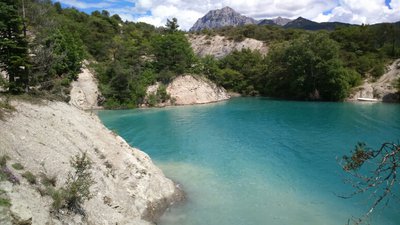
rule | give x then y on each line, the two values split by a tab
127	56
43	46
304	64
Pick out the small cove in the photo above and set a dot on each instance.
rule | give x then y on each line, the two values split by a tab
252	161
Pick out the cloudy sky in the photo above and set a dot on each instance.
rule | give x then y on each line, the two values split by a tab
157	12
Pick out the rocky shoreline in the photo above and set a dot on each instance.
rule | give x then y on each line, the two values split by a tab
128	188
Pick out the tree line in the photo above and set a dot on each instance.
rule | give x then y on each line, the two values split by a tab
128	56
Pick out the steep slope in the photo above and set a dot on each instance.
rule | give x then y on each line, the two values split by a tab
219	46
382	89
128	189
221	18
85	93
189	90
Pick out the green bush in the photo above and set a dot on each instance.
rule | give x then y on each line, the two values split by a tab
77	187
17	166
162	95
3	160
29	177
397	84
378	70
48	181
152	100
58	199
5	202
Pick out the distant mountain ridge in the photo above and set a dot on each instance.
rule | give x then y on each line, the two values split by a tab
277	21
226	16
302	23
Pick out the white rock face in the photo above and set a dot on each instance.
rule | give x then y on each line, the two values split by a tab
219	46
129	188
85	92
382	89
221	18
188	90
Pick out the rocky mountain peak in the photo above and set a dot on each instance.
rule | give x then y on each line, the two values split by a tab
221	18
227	9
281	21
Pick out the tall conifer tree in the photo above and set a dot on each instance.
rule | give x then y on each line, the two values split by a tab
13	45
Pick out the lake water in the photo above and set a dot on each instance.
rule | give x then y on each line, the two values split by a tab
255	161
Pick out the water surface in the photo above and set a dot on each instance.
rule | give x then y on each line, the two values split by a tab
252	161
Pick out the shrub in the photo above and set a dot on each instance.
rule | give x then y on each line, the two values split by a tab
5	202
29	177
17	166
397	84
162	94
58	199
3	160
152	100
77	187
48	181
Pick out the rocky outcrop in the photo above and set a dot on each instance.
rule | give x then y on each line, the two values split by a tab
189	90
219	46
85	93
221	18
382	89
128	189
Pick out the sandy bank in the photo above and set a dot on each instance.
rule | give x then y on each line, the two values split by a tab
129	188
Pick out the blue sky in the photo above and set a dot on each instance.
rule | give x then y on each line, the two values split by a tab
156	12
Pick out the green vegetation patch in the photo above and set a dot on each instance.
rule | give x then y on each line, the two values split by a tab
30	177
17	166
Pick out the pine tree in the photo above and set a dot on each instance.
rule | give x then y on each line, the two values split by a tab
13	46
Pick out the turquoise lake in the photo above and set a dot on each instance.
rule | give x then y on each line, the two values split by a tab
256	161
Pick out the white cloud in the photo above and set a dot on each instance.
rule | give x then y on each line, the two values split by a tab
84	5
187	12
367	12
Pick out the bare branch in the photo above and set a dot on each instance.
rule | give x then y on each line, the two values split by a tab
380	182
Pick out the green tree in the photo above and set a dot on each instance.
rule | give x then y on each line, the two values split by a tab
172	25
173	53
13	46
248	63
68	53
308	67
